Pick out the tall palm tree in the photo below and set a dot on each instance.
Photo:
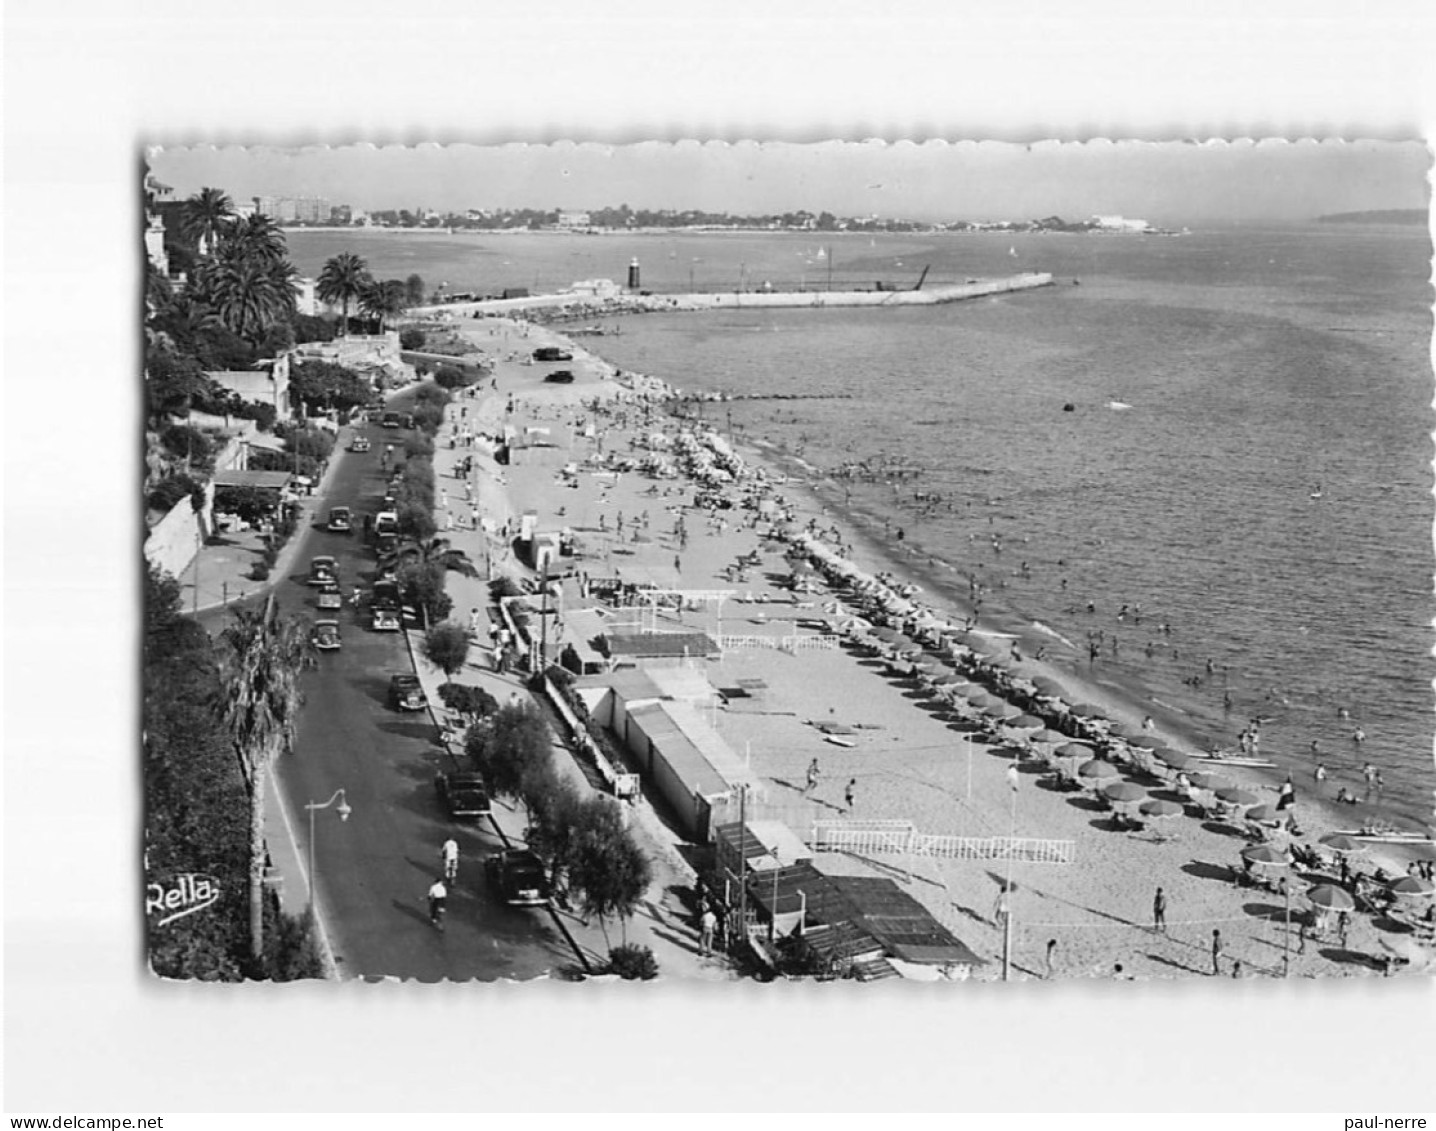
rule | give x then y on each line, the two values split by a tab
267	654
383	300
207	216
257	237
246	295
343	280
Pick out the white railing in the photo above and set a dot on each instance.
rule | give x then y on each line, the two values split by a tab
901	838
793	643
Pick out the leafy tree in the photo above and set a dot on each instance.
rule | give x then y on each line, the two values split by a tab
173	382
467	700
609	872
506	750
206	217
423	587
324	385
343	280
633	962
430	551
446	646
266	655
412	338
454	377
248	295
256	238
414	292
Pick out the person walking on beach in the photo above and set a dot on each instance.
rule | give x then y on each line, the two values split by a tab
707	925
1051	955
1159	912
1216	952
812	776
1320	775
1286	798
848	795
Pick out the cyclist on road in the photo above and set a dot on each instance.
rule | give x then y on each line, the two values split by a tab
438	897
449	854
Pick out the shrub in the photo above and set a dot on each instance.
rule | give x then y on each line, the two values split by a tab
633	962
317	443
454	377
423	586
259	571
411	339
446	646
428	418
468	700
416	522
504	586
169	491
419	445
186	442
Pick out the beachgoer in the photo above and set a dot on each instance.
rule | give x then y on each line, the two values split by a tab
1051	955
1319	774
1286	796
1358	736
1237	969
1159	911
707	925
1148	724
848	795
1216	952
812	776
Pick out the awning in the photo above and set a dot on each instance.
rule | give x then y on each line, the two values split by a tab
264	480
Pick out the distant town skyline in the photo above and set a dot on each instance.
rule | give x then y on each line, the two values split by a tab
1168	183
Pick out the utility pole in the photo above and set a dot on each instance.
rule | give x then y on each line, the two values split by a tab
543	619
743	860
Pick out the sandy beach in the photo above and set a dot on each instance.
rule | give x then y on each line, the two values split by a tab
909	756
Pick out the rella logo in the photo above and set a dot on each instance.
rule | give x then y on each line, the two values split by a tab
184	895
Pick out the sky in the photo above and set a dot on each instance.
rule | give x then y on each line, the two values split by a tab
1171	183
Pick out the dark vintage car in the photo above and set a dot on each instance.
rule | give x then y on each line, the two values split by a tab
560	377
406	694
518	876
329	595
391	420
323	568
552	353
341	520
326	635
464	796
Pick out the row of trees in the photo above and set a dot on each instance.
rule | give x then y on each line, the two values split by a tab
582	839
216	714
346	279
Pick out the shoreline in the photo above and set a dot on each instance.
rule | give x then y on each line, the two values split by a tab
1125	699
1096	907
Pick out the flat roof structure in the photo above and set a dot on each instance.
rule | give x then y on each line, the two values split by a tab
265	480
658	645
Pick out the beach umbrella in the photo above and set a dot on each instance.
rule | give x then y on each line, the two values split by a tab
1331	898
1087	711
1413	886
949	678
1127	730
1265	855
1003	710
979	699
1339	842
1160	809
1048	687
1145	741
930	664
1173	758
1209	781
888	635
1123	792
1074	750
1240	797
1097	770
1049	737
1025	722
1263	813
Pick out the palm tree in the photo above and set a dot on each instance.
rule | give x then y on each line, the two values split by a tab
246	294
207	216
430	551
257	237
266	657
383	300
343	280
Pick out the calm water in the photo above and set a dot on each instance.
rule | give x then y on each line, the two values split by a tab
1261	366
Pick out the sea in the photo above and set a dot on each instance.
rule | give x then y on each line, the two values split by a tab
1228	432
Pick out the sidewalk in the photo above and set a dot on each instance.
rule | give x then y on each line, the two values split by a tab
661	920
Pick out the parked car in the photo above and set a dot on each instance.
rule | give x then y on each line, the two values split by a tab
386	522
465	796
359	444
384	607
391	420
326	635
406	694
341	520
329	595
552	353
519	877
560	377
323	568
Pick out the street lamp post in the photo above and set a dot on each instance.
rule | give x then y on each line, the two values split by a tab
343	810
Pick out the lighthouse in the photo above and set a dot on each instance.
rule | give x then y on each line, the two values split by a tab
633	274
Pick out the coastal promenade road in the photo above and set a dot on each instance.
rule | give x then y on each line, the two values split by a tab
373	870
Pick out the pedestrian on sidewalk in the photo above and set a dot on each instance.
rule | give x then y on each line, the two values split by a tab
1216	952
848	795
707	925
1159	912
438	900
449	855
1051	955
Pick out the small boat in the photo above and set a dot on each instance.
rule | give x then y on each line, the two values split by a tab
1388	836
839	740
1118	406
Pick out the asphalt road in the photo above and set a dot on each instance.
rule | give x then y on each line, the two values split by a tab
374	870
